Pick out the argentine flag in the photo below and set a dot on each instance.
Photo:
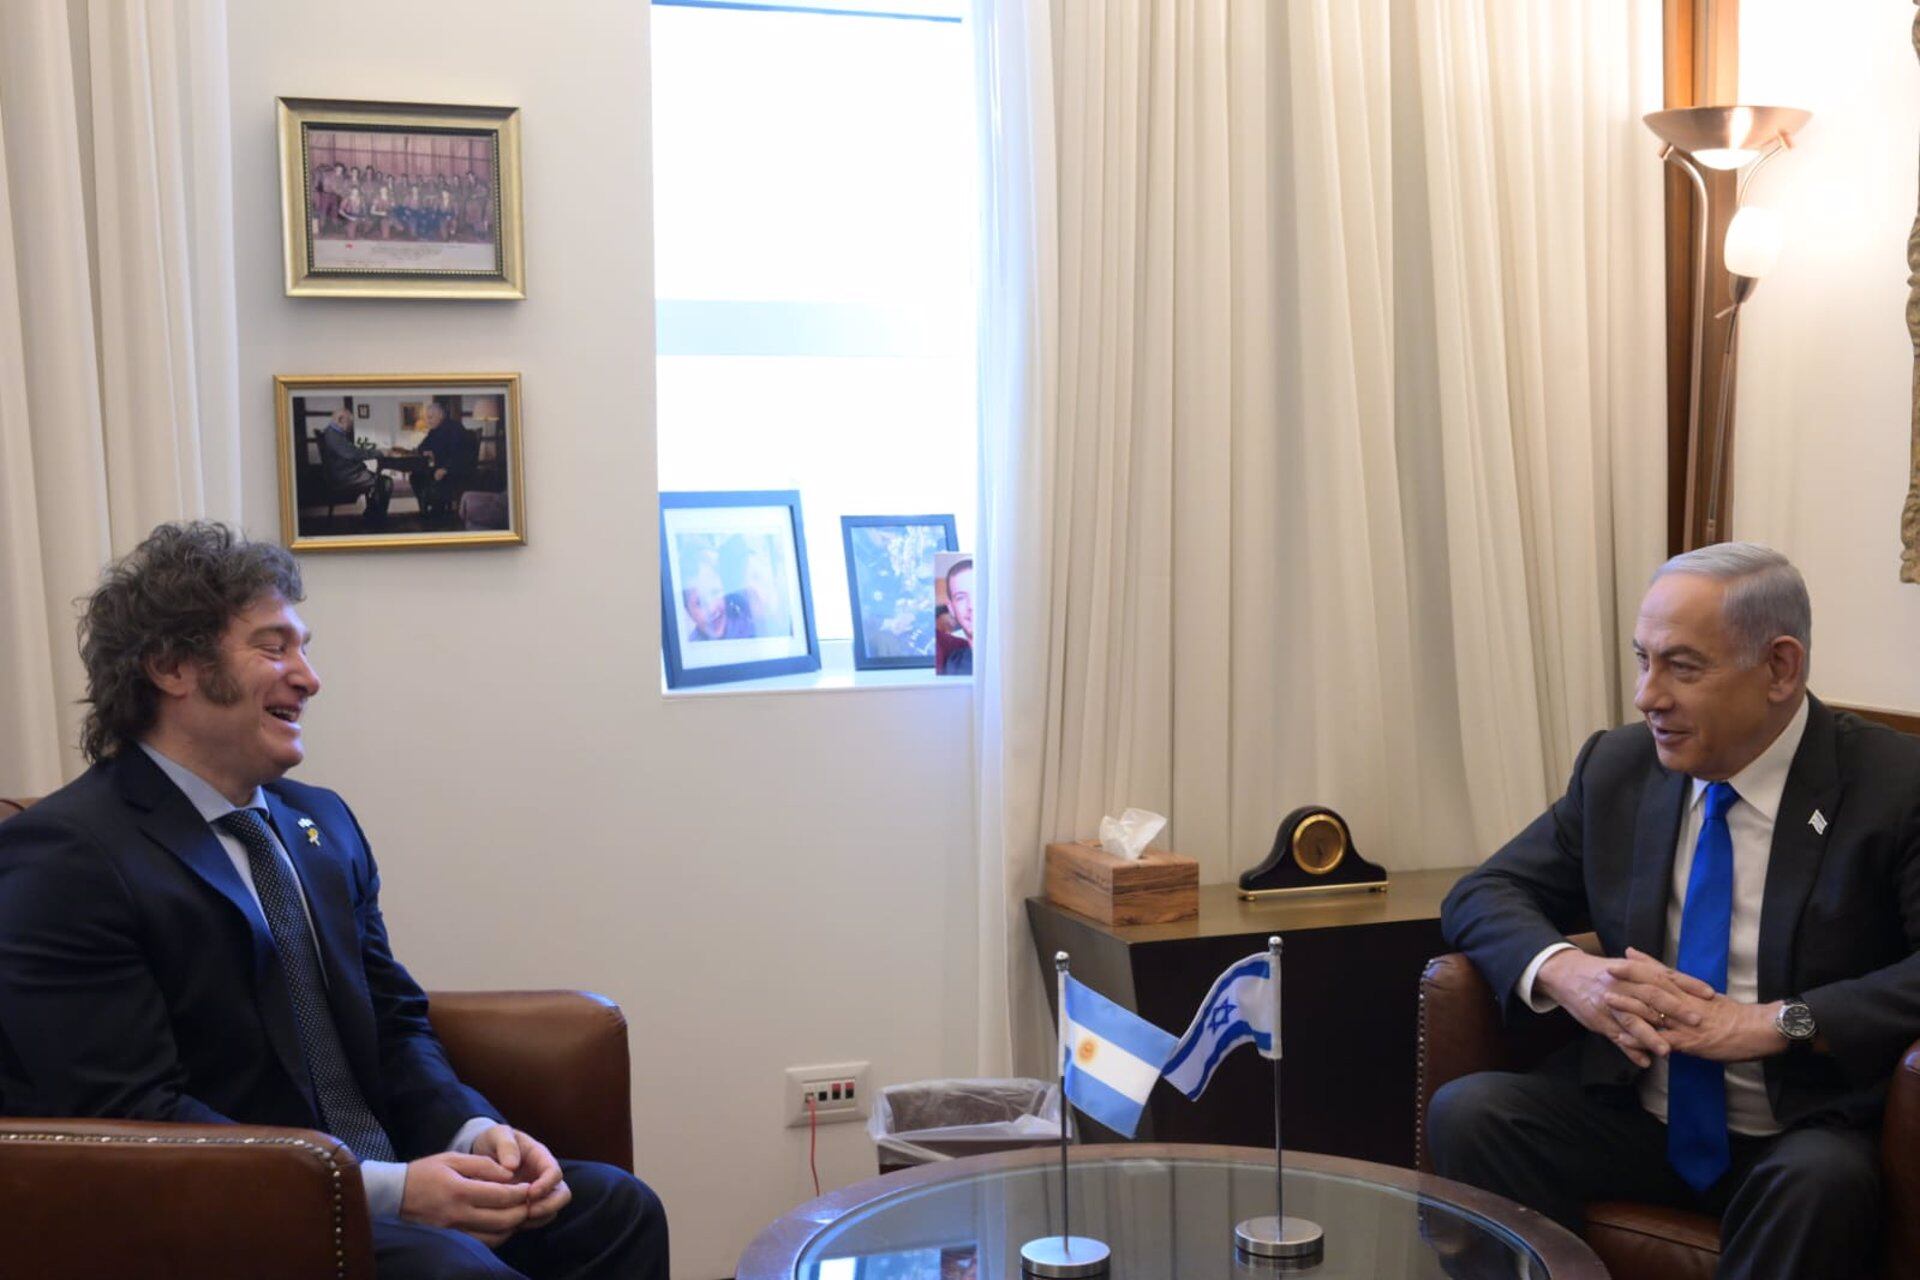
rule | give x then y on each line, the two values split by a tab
1243	1005
1112	1057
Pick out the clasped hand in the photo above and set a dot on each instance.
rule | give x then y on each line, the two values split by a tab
509	1183
1650	1010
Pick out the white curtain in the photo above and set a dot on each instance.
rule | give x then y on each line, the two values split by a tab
1322	413
119	398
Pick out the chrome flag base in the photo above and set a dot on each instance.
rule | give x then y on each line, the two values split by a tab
1063	1257
1294	1239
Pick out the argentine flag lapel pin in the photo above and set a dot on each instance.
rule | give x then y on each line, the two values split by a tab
313	832
1818	822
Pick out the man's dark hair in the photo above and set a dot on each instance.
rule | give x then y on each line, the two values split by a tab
167	600
958	565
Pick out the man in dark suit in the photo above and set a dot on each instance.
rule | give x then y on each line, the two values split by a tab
187	935
451	456
1750	861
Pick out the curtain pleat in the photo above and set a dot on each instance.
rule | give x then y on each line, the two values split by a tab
118	349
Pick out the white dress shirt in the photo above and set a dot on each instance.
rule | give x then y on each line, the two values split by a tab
1750	823
385	1180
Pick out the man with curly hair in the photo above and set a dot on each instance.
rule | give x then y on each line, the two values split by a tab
187	935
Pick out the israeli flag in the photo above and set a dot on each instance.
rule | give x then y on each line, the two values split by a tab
1243	1006
1112	1057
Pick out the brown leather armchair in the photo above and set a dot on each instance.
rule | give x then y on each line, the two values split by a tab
1461	1032
91	1198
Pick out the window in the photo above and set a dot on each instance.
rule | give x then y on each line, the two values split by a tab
815	225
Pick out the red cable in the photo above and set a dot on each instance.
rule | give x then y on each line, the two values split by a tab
813	1143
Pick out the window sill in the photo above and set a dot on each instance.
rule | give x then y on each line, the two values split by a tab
836	675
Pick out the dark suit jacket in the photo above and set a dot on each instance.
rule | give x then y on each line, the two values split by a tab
138	979
1839	923
343	462
454	448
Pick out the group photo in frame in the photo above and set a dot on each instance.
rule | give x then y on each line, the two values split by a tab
890	582
385	461
391	199
735	600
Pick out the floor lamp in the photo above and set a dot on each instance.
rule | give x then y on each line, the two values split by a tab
1737	140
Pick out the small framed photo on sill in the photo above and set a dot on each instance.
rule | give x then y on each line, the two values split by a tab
890	582
735	601
954	627
400	200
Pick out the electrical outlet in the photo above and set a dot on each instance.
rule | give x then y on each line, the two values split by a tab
838	1091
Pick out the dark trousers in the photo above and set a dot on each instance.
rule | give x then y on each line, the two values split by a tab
1801	1203
614	1228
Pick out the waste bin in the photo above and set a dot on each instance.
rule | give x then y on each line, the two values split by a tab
933	1120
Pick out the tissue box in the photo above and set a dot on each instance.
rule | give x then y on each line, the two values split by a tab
1160	888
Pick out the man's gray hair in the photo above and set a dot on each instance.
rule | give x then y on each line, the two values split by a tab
1766	596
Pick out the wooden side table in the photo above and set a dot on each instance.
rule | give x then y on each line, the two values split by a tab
1349	1000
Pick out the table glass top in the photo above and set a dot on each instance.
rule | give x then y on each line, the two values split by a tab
1162	1219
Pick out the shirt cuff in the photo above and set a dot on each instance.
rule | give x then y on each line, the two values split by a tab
463	1139
386	1184
1524	987
386	1180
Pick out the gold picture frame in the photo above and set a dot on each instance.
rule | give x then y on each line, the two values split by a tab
400	200
357	475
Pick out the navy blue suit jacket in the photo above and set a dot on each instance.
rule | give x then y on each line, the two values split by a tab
1839	920
138	979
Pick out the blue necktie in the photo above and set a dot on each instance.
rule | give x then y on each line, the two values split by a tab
1696	1088
342	1105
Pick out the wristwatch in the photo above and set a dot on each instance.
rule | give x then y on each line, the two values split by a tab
1795	1020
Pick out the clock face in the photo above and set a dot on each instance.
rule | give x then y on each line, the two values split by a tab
1319	844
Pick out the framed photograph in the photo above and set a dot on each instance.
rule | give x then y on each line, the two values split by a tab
735	603
953	624
400	200
890	582
381	460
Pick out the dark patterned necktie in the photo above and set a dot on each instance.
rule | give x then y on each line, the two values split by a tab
342	1105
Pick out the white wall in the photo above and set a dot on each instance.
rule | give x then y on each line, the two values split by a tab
1824	437
759	880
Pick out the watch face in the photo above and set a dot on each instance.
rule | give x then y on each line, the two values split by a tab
1795	1021
1318	844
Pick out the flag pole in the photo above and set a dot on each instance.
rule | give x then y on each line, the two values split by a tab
1279	1164
1294	1239
1066	1256
1060	1066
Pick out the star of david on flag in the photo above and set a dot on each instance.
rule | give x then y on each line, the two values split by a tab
1111	1057
1243	1006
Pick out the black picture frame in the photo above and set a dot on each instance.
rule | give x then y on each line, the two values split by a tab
870	631
744	554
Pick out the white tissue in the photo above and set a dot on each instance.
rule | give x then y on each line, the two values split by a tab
1127	836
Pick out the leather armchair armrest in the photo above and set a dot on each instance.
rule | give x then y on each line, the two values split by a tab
1461	1032
1900	1168
182	1200
555	1062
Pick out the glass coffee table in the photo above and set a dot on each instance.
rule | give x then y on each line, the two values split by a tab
1167	1213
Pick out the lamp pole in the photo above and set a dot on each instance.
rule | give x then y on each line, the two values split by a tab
1726	138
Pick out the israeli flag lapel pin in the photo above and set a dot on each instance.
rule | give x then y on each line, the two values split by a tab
1818	822
313	832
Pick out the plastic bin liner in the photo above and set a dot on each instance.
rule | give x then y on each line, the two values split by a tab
941	1119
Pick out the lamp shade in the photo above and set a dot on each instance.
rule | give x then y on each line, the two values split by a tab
1726	137
1753	242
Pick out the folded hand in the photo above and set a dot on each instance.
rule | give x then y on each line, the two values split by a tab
528	1162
